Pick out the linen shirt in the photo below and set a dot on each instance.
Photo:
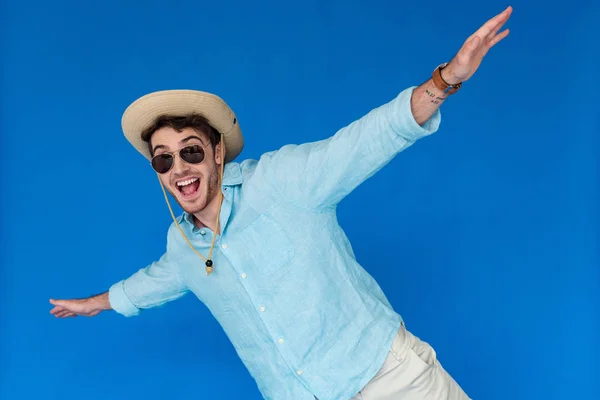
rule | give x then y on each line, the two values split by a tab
304	316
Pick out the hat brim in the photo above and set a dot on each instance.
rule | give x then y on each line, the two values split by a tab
143	112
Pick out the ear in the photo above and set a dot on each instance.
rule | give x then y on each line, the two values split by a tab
218	147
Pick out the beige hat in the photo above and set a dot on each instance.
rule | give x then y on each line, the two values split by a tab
144	111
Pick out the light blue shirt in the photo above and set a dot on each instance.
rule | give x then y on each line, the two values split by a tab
303	315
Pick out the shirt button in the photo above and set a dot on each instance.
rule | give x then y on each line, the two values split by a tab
299	372
262	309
280	341
244	276
203	232
224	246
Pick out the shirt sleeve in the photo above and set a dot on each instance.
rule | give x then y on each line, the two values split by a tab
152	286
321	174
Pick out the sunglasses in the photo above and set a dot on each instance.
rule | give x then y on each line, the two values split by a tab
192	154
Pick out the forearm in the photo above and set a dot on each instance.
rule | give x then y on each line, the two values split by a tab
427	98
99	302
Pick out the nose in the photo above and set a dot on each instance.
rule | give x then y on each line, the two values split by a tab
178	166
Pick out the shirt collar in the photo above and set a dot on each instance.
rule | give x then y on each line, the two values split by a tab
232	176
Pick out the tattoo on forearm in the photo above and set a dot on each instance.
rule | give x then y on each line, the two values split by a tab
434	99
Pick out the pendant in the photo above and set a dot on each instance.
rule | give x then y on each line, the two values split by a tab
209	267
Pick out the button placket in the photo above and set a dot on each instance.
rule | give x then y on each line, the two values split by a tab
279	340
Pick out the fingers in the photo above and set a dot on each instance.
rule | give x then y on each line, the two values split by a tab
487	33
493	25
498	37
59	306
63	306
495	29
59	312
65	314
60	303
499	20
62	312
67	308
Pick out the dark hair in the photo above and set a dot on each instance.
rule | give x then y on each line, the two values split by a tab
195	121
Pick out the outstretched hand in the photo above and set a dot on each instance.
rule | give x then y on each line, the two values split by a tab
88	307
470	55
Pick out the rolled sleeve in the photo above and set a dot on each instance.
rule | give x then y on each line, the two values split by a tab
120	302
403	120
152	286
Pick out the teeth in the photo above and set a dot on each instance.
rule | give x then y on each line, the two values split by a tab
187	182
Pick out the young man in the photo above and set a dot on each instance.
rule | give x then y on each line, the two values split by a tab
259	243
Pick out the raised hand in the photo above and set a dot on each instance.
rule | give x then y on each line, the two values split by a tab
470	55
88	307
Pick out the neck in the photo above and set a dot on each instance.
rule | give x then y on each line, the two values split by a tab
207	217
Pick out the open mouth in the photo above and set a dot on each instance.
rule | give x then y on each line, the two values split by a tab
189	187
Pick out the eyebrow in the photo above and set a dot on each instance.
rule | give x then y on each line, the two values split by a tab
184	140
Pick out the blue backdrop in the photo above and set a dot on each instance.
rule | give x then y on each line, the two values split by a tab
490	247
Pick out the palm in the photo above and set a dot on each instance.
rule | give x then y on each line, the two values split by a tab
470	55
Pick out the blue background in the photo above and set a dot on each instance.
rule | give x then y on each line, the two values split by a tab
483	236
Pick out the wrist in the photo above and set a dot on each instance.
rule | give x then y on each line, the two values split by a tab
448	76
99	303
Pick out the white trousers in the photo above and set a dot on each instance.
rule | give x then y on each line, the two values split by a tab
411	372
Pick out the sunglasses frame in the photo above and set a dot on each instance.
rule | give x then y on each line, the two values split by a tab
178	153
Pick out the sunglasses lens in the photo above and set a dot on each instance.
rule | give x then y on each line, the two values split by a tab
192	154
162	163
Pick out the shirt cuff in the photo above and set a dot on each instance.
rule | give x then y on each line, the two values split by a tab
404	120
120	302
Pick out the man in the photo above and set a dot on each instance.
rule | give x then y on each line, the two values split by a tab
259	243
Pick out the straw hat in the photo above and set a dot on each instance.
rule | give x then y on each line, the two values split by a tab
144	111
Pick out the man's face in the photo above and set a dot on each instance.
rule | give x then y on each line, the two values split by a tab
194	186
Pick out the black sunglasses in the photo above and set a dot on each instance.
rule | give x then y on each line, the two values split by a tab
192	154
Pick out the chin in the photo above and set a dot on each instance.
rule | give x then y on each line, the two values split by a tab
192	208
